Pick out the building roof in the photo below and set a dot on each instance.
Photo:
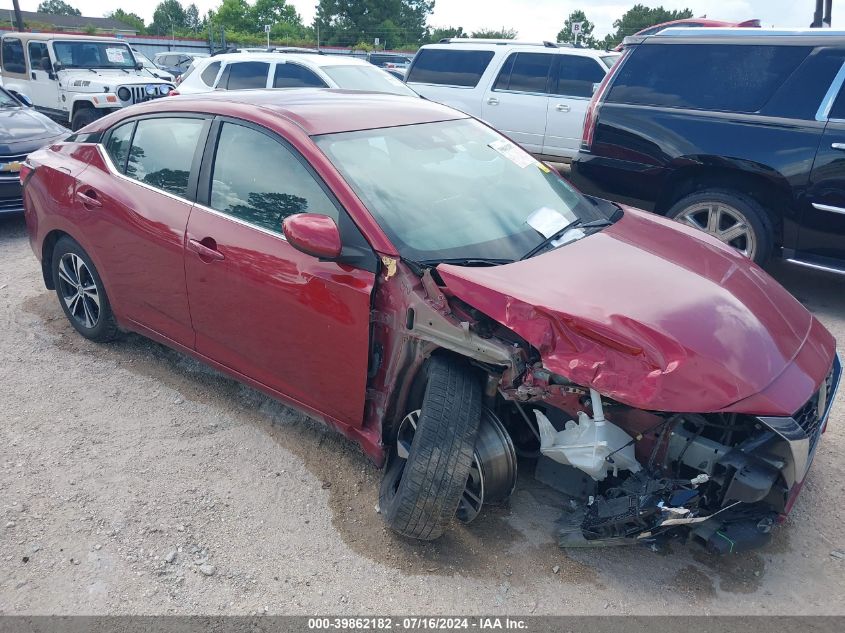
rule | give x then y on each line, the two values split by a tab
70	22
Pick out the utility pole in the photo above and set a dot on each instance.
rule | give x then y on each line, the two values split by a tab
18	16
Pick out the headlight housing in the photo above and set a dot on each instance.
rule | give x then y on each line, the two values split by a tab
164	90
124	93
151	90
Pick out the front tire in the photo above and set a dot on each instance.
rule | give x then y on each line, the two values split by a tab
81	293
731	217
427	472
82	117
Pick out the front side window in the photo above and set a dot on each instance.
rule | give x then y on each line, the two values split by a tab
83	54
525	72
13	61
162	153
456	190
577	76
449	67
209	74
367	78
39	57
721	77
295	76
258	180
244	76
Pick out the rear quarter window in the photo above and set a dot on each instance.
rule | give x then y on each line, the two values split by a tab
209	74
449	67
721	77
12	51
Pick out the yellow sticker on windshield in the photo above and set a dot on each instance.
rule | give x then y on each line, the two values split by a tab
543	168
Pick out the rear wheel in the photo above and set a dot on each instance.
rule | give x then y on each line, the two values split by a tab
735	219
429	464
81	293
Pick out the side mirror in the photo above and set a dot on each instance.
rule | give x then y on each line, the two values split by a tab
22	98
139	66
313	234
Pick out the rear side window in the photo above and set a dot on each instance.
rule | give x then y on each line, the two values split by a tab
723	77
117	146
243	187
210	73
295	76
449	67
244	76
525	72
577	76
163	151
13	61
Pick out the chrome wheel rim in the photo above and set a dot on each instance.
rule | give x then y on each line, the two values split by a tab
492	475
79	291
724	222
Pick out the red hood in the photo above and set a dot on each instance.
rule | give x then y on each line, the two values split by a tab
658	316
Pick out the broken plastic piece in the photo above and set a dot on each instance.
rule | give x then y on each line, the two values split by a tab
703	478
587	443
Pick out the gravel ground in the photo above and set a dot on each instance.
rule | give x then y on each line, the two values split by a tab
135	480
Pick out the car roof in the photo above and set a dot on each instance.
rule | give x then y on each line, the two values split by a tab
315	110
64	37
742	35
313	59
463	43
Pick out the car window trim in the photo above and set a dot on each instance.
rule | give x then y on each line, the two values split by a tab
823	113
345	223
193	177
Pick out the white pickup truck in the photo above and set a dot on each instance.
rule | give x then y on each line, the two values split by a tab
76	79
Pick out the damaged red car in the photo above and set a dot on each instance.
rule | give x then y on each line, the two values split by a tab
410	277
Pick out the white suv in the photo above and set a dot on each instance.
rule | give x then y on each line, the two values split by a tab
75	79
242	71
535	93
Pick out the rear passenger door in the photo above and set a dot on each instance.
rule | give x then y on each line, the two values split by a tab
574	79
293	75
244	76
517	101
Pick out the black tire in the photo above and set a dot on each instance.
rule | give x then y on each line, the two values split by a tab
79	313
82	117
757	220
419	496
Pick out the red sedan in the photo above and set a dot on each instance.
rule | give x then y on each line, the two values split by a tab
404	273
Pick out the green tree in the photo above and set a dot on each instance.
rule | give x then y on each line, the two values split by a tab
192	18
641	17
586	37
57	7
168	17
494	34
435	35
129	19
274	12
236	15
394	22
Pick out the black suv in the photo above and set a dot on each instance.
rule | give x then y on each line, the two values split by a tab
738	132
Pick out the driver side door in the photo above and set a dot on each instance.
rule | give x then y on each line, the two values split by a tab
44	87
292	323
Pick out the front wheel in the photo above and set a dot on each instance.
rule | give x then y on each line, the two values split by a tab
729	216
82	117
429	464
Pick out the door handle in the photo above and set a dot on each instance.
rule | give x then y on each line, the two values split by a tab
562	107
492	101
33	74
206	249
839	146
89	199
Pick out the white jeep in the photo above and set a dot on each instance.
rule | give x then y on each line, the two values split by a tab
76	79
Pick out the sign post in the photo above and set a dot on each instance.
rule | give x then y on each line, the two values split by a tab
267	31
576	30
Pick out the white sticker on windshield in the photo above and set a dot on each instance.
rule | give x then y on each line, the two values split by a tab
547	221
513	153
116	55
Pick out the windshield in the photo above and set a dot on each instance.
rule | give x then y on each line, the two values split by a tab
456	190
367	78
7	100
145	61
609	60
82	54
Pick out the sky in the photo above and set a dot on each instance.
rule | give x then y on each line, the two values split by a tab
533	19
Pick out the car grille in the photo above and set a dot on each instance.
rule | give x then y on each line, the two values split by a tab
11	205
10	175
811	415
139	94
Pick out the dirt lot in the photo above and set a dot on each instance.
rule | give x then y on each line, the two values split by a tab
135	480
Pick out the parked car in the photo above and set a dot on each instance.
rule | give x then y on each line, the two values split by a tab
536	94
240	71
406	274
22	130
749	147
399	73
151	68
691	23
382	59
75	79
177	62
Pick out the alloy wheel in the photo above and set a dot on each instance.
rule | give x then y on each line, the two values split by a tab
724	222
79	290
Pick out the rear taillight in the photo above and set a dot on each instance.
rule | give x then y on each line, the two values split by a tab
592	115
173	93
